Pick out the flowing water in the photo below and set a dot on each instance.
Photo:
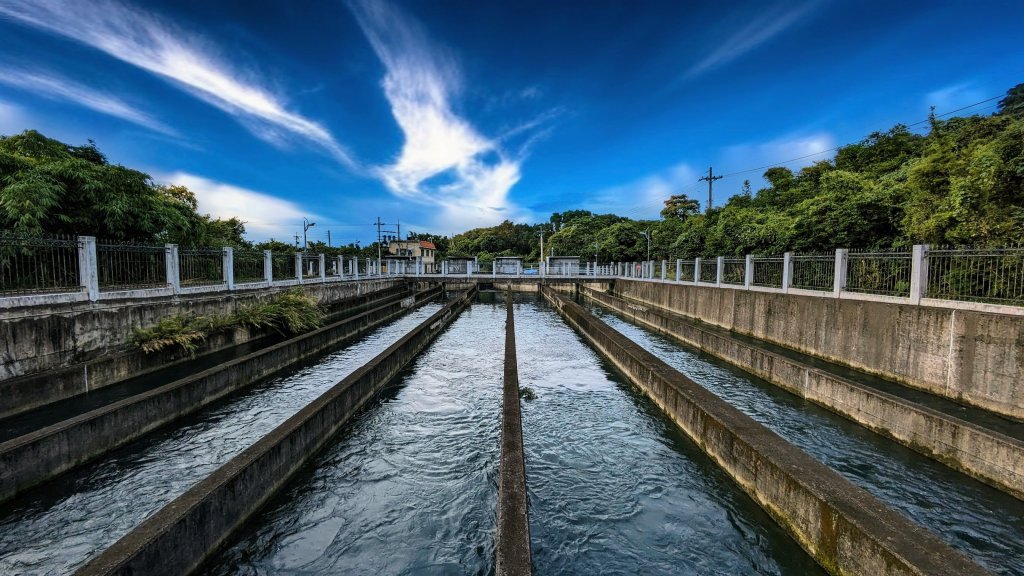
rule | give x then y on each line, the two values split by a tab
982	522
60	525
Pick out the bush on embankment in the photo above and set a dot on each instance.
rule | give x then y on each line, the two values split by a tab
293	312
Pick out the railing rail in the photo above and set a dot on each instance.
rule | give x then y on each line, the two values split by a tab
976	274
38	264
201	267
130	266
879	272
814	271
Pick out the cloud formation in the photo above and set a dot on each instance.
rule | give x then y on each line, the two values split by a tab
806	149
755	33
444	160
140	39
58	88
265	216
644	197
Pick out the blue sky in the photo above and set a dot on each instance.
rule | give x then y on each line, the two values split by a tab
447	115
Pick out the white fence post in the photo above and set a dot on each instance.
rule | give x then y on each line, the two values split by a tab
298	266
720	270
664	268
919	273
787	272
842	255
323	268
679	269
268	266
748	271
696	270
229	267
172	266
88	273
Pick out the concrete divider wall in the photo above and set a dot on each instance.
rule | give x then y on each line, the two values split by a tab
512	550
844	528
23	393
989	456
178	537
972	357
38	338
43	454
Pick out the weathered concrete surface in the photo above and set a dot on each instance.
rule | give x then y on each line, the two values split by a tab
512	550
24	393
48	452
976	358
178	537
844	528
39	338
987	455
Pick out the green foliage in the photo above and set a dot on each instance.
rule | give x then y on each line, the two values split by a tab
293	312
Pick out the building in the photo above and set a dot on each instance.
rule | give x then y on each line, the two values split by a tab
508	265
563	265
415	249
460	265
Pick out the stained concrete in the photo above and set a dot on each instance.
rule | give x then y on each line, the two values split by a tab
512	549
844	528
972	357
989	456
45	453
178	537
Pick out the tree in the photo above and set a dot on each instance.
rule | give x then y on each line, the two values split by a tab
1013	103
680	207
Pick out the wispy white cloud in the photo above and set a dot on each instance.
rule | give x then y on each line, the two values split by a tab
761	29
265	216
58	88
133	36
444	161
802	149
12	119
955	96
644	197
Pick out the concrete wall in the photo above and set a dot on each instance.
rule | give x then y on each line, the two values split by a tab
42	338
972	357
512	542
30	391
43	454
989	456
844	528
178	537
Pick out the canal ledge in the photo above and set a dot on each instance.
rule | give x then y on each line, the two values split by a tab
843	527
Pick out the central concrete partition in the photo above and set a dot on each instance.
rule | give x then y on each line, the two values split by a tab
186	531
844	528
48	452
512	552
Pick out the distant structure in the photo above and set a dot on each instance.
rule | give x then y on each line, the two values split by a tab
412	250
460	265
508	265
563	265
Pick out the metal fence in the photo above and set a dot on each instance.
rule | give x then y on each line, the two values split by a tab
126	266
734	270
768	271
686	270
310	266
879	272
248	266
984	275
200	267
283	266
709	270
814	271
38	265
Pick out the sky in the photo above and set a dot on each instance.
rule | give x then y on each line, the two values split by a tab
442	116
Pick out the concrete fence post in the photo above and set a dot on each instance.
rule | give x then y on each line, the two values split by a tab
340	267
679	269
748	271
696	270
664	268
173	267
229	267
919	273
298	266
787	272
268	267
323	268
88	271
839	284
720	270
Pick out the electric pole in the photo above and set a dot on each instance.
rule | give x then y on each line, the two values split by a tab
380	224
328	238
710	179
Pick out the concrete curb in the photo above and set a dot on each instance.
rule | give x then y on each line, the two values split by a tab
844	528
512	550
36	457
993	458
182	534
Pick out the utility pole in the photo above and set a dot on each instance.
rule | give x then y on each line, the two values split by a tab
710	179
328	238
378	223
296	240
647	234
306	225
380	229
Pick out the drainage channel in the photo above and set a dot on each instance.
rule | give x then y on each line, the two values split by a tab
979	520
59	525
614	486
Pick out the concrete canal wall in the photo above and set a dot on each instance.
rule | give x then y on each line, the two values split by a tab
984	454
183	533
24	393
38	338
43	454
844	528
512	541
972	357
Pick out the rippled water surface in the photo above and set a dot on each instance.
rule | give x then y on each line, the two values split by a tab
979	520
410	485
57	527
614	487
